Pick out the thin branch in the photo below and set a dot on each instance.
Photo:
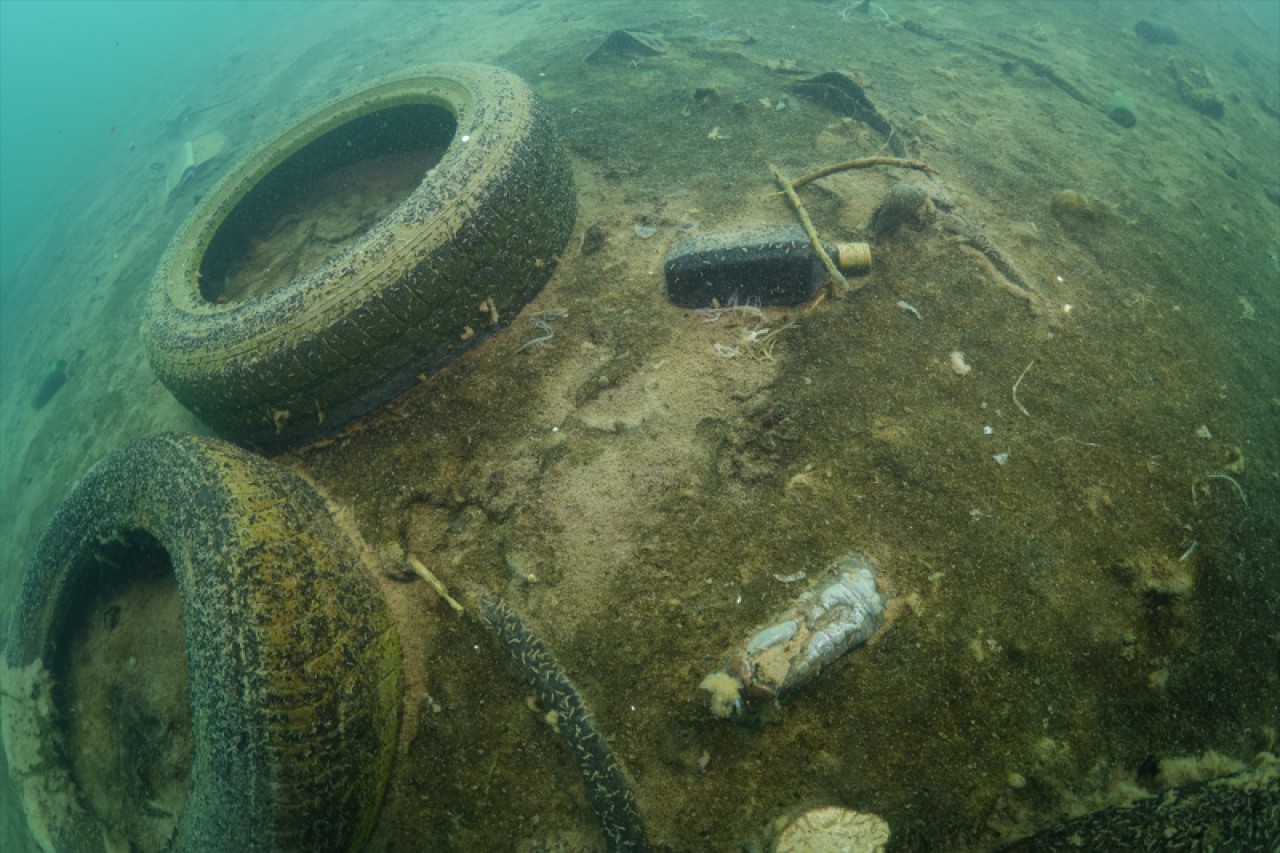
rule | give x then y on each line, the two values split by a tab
838	284
864	163
1021	408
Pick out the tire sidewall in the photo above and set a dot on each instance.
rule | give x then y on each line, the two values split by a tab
181	490
239	365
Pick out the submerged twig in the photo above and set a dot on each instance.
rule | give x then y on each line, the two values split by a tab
1021	408
435	583
863	163
838	283
1232	481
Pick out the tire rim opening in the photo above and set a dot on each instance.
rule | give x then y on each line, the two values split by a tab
122	688
322	199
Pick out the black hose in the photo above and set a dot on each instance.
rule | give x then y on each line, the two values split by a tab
607	783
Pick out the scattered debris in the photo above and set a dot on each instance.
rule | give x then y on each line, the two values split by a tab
594	239
1154	32
1122	112
906	203
834	828
1021	408
53	380
1194	85
1004	272
840	92
756	343
627	44
1011	60
1075	208
543	321
192	156
785	66
1203	484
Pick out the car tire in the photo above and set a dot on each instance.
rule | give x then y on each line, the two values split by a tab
471	244
292	660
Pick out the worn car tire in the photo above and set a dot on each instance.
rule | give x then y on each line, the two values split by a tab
293	658
486	223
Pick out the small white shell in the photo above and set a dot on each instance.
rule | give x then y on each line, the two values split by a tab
959	366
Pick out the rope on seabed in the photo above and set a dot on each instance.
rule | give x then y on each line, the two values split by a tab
607	783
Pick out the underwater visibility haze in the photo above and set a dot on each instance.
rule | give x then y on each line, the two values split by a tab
433	425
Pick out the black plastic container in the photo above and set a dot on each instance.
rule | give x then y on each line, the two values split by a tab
773	265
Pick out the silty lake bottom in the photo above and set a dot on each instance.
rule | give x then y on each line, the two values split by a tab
1050	413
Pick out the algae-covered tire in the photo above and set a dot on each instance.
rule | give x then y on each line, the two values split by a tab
1237	812
291	662
472	242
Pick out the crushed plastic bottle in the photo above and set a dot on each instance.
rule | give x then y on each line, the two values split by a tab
841	610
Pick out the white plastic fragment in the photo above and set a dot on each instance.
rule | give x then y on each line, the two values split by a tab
832	828
909	308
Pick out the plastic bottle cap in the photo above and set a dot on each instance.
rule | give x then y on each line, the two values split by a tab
853	257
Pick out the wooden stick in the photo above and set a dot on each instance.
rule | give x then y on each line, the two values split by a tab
837	283
436	584
1021	408
864	163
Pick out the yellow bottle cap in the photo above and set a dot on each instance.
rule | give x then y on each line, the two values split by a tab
853	257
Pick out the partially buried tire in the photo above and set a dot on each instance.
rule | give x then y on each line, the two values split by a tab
198	661
367	246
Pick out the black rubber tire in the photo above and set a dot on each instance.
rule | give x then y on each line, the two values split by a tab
488	222
294	661
1239	813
